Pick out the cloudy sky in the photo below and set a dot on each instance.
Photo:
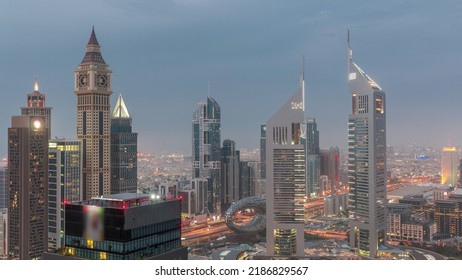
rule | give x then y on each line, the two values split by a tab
164	52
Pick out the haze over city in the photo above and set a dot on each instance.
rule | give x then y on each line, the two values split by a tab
164	53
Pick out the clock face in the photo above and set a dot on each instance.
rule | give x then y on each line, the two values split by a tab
83	80
102	80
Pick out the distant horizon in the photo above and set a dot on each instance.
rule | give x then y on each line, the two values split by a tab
164	53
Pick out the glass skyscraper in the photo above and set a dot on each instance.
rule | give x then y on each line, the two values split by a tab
206	150
230	174
124	148
312	158
65	178
366	162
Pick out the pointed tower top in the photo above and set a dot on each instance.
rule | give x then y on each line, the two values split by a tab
302	82
93	40
36	86
120	109
350	52
93	53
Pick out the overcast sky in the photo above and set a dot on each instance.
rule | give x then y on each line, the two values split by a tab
164	52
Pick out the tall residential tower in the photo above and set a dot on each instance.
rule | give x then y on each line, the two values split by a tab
367	161
93	89
28	188
285	178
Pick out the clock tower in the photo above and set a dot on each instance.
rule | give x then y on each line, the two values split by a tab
93	89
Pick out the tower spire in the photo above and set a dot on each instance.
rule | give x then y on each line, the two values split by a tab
208	93
93	40
350	52
36	86
93	53
302	82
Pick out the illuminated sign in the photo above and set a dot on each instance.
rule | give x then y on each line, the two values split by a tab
94	223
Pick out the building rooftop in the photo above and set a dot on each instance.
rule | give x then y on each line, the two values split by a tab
123	200
227	254
411	190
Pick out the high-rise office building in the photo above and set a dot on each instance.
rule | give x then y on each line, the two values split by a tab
36	106
28	188
3	208
255	189
93	87
200	187
229	174
125	226
366	162
124	149
263	151
245	179
449	162
3	184
313	165
206	150
3	233
64	186
188	202
325	186
448	217
330	164
285	178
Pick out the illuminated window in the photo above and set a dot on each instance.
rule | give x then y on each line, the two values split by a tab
102	256
90	244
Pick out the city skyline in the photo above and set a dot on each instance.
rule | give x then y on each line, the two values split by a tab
164	53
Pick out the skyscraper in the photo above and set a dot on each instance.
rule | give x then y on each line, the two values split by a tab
65	178
449	161
124	149
28	187
229	174
93	87
263	151
330	164
367	161
312	158
3	184
285	178
206	150
3	233
36	106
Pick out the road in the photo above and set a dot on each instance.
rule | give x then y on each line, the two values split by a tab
422	254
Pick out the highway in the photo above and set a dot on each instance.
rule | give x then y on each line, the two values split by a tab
422	254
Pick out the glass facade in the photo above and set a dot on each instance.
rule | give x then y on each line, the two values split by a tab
3	187
313	163
124	149
64	164
206	148
122	241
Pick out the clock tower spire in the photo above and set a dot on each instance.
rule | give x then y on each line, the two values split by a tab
93	87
